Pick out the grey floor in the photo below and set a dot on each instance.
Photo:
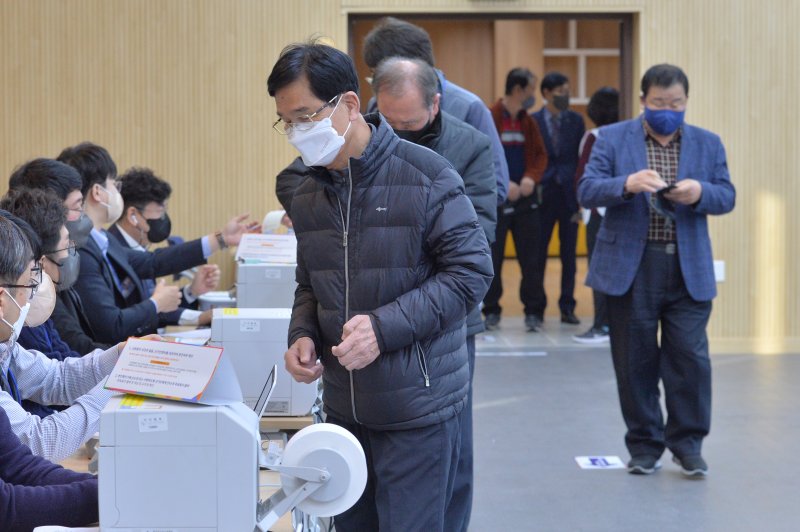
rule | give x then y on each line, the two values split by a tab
541	400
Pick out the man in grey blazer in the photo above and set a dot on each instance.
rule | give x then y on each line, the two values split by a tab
659	178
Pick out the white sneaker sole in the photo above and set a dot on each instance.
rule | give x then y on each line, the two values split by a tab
640	470
593	341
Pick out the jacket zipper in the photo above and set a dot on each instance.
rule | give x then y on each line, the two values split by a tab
346	229
423	365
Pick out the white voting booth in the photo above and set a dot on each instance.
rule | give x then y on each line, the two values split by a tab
184	453
254	340
265	271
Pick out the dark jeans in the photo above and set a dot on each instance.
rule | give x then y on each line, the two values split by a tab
410	476
524	227
555	208
659	296
599	298
460	508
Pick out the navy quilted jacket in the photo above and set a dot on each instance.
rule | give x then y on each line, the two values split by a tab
394	238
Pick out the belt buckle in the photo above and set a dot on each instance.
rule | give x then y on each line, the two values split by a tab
671	248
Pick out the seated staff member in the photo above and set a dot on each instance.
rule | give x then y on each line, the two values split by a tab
45	213
145	221
35	492
24	374
37	305
69	316
118	305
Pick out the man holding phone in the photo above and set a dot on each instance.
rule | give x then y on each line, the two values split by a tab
659	179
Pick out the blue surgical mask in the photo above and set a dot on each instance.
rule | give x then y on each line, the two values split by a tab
663	121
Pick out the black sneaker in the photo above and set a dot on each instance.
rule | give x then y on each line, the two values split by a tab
594	335
643	464
570	318
491	321
692	466
532	323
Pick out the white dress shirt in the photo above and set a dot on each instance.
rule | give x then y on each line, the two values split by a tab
77	382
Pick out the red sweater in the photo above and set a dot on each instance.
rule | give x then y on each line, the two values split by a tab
535	151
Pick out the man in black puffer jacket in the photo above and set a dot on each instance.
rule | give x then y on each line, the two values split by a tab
407	95
390	260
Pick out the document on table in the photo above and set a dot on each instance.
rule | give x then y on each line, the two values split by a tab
256	247
169	370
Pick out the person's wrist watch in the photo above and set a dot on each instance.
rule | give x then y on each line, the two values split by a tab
220	240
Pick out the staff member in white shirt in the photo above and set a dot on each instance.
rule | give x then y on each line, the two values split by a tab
77	382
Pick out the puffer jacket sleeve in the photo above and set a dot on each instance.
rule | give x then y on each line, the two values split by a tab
304	322
481	186
463	270
287	181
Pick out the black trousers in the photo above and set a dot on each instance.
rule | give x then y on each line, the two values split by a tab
598	298
460	508
659	297
524	227
554	209
410	478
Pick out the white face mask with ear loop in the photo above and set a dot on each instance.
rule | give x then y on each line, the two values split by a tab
43	303
319	145
16	327
114	205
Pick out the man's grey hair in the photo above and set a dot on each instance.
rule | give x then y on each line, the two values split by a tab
393	73
16	253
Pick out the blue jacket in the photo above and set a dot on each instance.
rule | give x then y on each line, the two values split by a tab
35	492
562	163
621	151
45	338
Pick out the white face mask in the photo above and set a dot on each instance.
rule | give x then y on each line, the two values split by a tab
43	303
114	205
320	144
16	328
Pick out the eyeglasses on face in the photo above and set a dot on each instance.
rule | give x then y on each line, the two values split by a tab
33	287
71	249
303	123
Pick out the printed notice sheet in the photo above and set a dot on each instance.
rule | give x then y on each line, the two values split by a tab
164	369
256	247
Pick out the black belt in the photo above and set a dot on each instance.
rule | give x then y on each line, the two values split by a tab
669	248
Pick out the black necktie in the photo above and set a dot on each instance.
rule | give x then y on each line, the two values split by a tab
556	132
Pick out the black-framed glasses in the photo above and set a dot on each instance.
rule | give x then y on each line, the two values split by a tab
33	287
71	249
303	123
36	272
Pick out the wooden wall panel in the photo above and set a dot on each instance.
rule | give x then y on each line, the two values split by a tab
598	34
601	72
517	43
179	86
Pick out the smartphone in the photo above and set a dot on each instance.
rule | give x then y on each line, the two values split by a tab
668	188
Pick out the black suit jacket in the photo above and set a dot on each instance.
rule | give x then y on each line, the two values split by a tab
113	316
164	318
72	323
563	162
